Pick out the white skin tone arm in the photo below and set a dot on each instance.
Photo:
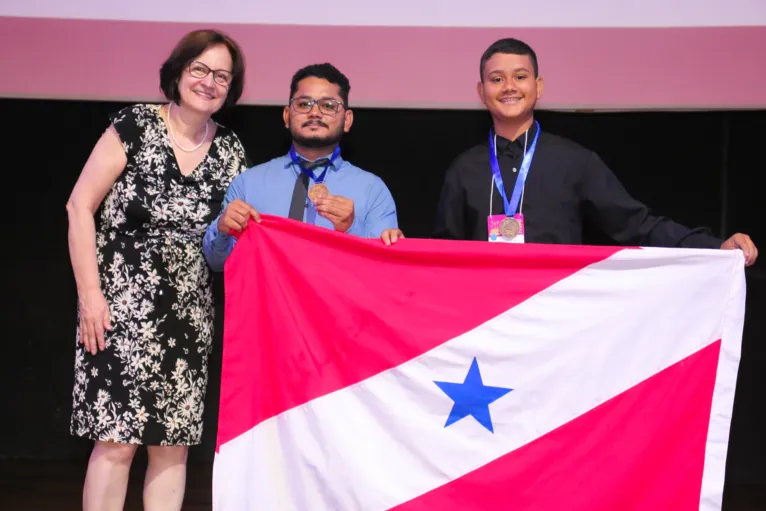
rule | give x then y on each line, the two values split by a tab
104	166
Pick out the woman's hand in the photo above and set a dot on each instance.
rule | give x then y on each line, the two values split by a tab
94	320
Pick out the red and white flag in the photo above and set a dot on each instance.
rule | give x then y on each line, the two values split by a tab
441	375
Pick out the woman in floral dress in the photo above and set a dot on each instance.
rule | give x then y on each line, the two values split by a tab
144	288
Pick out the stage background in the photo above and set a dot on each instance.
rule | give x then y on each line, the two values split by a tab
699	168
641	67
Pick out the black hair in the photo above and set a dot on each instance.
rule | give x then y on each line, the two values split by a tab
327	72
509	46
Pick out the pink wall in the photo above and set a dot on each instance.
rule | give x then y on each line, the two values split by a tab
598	68
410	13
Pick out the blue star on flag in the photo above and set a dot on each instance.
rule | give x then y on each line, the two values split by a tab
472	397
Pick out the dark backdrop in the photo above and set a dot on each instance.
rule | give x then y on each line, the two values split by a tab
698	168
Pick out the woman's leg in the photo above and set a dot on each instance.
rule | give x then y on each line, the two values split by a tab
106	481
165	478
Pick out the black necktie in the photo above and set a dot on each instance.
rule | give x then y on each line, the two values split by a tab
300	192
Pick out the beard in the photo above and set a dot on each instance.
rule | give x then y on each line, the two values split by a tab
317	141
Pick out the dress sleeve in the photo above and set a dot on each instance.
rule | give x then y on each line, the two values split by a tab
242	157
126	124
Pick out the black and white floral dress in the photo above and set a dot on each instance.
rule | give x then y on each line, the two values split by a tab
148	385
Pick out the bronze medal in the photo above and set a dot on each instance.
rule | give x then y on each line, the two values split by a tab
509	228
317	191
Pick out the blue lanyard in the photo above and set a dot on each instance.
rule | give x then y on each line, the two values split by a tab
309	172
511	207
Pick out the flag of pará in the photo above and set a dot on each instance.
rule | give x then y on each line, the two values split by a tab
446	375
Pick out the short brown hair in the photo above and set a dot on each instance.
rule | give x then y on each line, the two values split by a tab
191	46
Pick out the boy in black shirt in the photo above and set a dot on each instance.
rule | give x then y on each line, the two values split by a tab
526	185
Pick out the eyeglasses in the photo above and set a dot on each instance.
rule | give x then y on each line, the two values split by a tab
326	106
199	70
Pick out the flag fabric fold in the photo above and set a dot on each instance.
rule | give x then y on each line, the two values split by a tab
439	374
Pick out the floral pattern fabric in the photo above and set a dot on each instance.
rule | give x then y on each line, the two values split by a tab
148	385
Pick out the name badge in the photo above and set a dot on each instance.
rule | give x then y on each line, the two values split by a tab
505	229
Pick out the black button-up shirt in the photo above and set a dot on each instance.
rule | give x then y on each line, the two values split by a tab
566	184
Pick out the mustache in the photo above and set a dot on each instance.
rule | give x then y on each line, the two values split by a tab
314	123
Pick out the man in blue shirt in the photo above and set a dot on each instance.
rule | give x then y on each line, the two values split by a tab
311	183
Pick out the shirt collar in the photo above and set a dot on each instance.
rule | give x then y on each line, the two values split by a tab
336	165
514	147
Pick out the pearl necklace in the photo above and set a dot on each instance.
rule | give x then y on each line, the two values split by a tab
182	148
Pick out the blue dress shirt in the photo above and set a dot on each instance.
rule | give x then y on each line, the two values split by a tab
269	189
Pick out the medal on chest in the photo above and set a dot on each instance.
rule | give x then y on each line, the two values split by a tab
509	226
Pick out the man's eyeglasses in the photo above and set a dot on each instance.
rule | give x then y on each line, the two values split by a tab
199	70
326	106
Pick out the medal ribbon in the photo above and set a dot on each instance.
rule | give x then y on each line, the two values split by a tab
512	206
309	172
